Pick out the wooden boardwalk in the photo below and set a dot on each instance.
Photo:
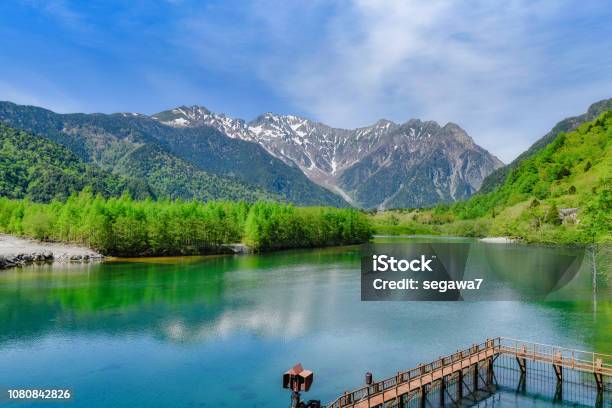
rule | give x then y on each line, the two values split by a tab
427	375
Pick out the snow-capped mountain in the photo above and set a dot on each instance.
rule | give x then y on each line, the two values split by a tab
384	165
192	116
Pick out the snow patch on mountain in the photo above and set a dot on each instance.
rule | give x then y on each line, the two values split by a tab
348	161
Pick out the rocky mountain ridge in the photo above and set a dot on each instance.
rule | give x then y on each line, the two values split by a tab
175	162
385	165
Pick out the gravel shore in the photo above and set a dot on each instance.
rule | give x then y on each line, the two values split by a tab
498	240
15	251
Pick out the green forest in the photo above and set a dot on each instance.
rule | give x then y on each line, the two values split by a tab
561	194
122	226
41	170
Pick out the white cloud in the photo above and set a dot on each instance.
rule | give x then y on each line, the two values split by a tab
437	60
492	67
505	70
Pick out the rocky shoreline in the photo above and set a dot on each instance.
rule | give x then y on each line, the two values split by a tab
19	260
18	252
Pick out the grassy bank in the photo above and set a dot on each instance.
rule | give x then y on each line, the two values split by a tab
563	194
125	227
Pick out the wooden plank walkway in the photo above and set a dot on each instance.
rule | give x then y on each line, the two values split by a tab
414	380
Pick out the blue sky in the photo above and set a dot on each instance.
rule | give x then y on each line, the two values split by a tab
506	71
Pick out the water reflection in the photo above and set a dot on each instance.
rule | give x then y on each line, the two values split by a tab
268	294
170	330
282	294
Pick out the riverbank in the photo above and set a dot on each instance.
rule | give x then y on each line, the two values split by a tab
15	252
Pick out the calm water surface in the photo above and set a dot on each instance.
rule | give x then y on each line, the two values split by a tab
219	331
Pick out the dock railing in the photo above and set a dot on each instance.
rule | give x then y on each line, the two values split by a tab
422	373
580	360
585	361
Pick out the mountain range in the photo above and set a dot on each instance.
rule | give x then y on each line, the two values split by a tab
191	152
385	165
175	163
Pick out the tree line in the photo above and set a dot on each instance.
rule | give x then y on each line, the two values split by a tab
122	226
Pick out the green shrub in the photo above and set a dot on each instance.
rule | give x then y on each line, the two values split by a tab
552	215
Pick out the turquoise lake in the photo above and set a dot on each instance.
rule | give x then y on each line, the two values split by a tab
219	331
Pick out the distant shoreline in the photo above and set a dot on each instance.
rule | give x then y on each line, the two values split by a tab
498	240
20	251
